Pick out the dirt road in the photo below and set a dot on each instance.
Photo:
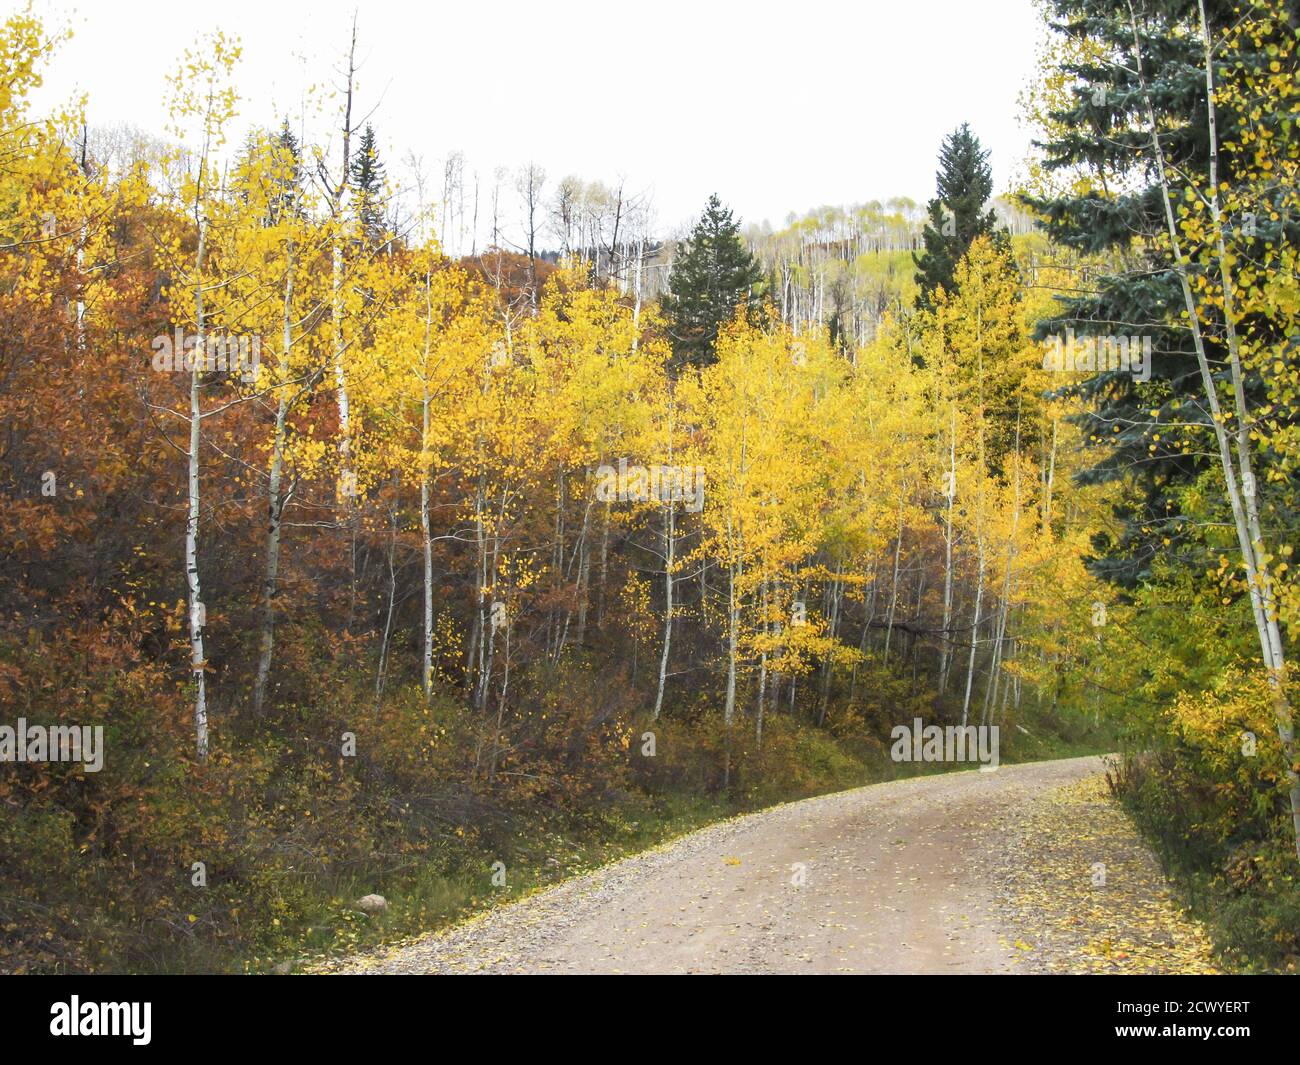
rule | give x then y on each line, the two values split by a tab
901	877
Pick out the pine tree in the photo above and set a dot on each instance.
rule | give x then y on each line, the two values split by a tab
367	180
714	273
288	177
957	215
1100	135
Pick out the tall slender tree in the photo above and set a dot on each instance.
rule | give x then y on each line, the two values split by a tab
957	215
713	274
367	179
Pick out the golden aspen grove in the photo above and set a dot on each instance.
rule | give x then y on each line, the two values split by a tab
385	542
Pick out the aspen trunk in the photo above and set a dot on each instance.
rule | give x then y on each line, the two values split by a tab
426	668
1049	477
732	621
995	674
837	593
274	511
893	597
636	306
348	487
198	615
381	675
426	665
974	633
669	561
945	656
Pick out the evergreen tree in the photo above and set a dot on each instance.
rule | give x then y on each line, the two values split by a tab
1100	137
288	176
957	215
367	180
712	275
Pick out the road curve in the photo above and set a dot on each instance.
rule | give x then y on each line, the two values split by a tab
889	878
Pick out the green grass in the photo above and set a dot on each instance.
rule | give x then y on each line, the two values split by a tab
456	883
1247	899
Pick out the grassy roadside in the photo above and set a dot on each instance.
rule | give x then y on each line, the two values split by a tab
1244	889
254	861
456	883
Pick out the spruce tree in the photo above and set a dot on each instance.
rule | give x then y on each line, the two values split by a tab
957	215
1117	213
367	180
288	179
712	275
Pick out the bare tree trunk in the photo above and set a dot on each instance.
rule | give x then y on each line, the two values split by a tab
945	656
636	306
868	616
974	632
893	597
916	613
338	207
995	675
198	613
604	568
381	675
1049	476
480	650
426	666
274	511
557	569
490	581
732	621
669	561
501	708
837	592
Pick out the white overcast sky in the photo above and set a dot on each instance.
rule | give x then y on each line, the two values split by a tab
778	106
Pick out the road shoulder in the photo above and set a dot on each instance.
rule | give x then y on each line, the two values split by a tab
1079	891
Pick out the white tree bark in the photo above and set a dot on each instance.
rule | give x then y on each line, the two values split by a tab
426	670
274	510
729	712
995	668
198	613
974	631
945	658
893	595
670	548
338	207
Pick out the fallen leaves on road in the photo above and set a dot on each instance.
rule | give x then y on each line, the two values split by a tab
1093	899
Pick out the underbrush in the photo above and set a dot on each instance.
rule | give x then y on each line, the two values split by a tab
1228	855
253	861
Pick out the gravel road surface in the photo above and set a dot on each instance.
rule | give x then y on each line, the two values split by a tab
899	877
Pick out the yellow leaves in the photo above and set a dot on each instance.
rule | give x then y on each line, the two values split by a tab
204	100
1094	898
776	441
